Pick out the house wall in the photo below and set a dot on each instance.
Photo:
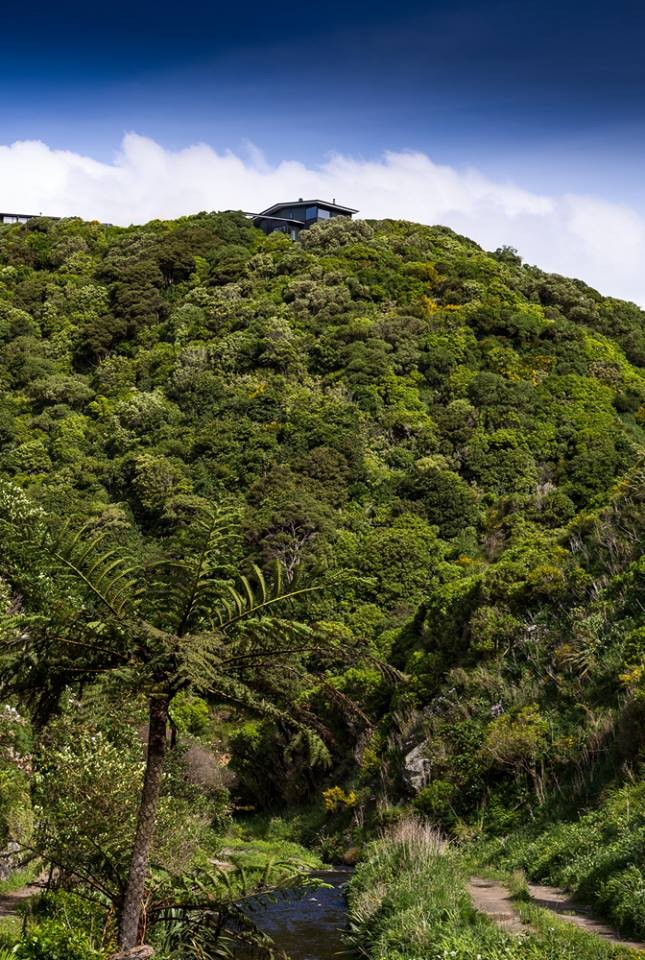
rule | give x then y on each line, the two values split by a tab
308	214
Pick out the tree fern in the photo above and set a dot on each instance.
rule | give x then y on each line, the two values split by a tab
192	619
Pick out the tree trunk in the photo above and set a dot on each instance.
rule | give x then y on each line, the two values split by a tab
133	900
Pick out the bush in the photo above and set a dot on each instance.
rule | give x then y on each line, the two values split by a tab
53	940
190	715
434	800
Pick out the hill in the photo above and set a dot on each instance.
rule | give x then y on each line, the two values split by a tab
462	431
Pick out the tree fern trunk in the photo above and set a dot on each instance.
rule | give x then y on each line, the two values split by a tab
134	892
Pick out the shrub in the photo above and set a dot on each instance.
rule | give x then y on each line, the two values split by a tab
190	715
434	800
335	799
53	940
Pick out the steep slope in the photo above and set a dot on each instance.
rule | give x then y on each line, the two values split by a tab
461	430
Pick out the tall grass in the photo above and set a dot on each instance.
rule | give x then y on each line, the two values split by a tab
600	857
408	901
415	839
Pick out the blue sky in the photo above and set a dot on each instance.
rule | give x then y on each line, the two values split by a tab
549	96
497	84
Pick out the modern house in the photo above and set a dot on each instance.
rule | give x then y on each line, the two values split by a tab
22	217
291	218
16	217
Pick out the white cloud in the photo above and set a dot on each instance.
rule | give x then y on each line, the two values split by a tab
583	236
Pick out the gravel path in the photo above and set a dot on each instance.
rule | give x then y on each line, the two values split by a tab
493	899
562	903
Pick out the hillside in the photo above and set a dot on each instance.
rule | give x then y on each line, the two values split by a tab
456	432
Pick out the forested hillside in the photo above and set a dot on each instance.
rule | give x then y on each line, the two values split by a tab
447	440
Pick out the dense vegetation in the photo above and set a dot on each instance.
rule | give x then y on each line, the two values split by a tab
446	443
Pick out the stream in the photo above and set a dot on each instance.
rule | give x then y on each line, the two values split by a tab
309	924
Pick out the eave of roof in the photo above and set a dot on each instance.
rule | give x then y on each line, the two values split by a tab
307	203
29	216
263	216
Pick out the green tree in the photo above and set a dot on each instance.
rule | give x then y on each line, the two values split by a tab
190	620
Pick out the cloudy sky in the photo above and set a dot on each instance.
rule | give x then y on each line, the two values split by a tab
513	122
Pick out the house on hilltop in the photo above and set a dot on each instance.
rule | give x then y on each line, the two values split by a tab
16	217
291	218
6	218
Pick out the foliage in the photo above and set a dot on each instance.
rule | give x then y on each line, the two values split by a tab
191	628
336	799
190	714
54	940
63	924
86	792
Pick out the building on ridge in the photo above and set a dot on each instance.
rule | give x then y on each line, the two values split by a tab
16	217
291	218
10	218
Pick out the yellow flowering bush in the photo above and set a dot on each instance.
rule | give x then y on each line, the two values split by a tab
335	799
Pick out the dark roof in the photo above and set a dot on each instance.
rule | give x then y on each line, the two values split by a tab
306	203
27	216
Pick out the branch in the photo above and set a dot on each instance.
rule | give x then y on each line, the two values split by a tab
269	653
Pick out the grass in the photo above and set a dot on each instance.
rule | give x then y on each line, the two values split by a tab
257	850
10	931
19	878
254	854
578	942
11	927
599	857
254	840
334	837
546	922
298	824
408	901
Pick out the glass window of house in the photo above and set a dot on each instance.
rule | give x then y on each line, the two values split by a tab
311	213
323	214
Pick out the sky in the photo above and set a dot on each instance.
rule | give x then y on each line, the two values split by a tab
519	123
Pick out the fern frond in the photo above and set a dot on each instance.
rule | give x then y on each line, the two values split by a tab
199	577
247	604
111	576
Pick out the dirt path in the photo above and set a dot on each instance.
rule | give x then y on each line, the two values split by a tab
562	903
495	901
9	902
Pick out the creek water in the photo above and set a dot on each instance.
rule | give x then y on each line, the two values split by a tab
308	924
